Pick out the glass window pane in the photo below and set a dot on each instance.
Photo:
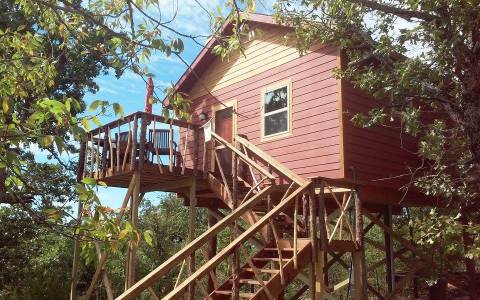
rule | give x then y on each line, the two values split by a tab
276	99
276	123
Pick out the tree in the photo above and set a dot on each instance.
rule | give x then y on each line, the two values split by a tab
50	53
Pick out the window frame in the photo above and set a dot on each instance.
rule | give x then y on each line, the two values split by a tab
275	86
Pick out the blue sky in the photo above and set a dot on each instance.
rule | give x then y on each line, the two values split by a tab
130	90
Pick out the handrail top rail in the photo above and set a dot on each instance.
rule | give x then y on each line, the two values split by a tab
241	155
269	159
125	119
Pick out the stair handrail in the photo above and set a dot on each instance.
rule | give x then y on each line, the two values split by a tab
225	252
242	156
193	246
281	168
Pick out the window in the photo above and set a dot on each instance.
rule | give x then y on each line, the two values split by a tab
276	111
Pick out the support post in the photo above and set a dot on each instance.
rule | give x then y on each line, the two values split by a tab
236	254
323	239
212	248
387	219
191	234
359	255
357	275
318	252
134	202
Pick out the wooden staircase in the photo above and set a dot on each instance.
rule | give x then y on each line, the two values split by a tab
261	276
267	201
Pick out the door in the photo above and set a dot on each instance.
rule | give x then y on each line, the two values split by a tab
224	128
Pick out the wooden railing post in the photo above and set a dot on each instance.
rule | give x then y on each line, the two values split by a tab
204	159
92	154
195	151
170	146
143	137
133	157
117	141
81	161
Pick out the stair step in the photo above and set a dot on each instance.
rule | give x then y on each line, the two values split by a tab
270	259
249	281
271	271
242	295
276	249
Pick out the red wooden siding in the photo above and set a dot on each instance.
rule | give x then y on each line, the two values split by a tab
377	153
313	148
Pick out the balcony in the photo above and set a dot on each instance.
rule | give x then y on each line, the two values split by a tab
162	151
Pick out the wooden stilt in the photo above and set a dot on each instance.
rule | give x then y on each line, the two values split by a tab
387	219
318	252
357	275
212	248
361	267
236	253
135	200
191	235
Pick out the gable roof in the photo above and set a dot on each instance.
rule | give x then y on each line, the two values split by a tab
205	57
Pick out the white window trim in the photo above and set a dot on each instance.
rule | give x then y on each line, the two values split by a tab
288	108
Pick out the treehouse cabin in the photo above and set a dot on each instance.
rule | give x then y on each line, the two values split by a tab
272	155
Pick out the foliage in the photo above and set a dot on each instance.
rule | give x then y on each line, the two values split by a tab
35	261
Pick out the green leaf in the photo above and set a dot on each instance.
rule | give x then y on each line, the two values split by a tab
89	181
96	121
85	124
46	140
5	105
97	103
123	233
148	236
117	108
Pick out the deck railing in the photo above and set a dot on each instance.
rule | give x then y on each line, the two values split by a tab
128	143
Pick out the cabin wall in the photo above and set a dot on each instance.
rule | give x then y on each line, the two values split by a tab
314	146
380	154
